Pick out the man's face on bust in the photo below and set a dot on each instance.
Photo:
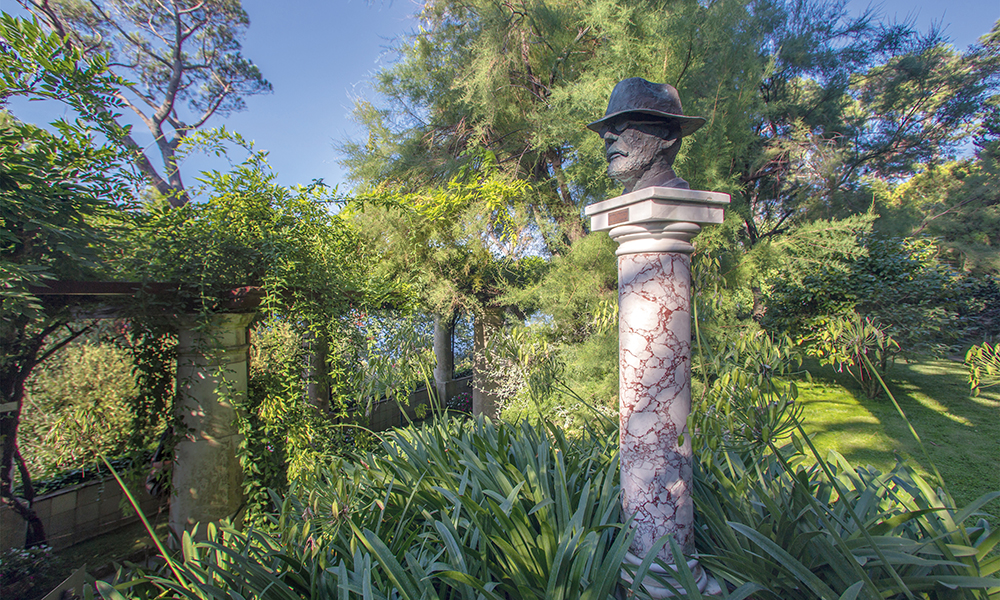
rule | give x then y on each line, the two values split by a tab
636	144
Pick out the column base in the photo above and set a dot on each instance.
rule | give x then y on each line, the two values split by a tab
707	585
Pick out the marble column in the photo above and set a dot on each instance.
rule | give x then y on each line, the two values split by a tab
654	378
654	228
211	379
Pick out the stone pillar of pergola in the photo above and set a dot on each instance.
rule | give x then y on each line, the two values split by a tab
444	353
654	227
484	390
211	380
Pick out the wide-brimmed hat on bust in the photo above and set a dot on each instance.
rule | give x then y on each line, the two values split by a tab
636	95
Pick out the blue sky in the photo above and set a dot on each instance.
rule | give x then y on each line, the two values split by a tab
320	56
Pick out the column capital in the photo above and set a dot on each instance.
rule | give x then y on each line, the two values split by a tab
215	340
657	219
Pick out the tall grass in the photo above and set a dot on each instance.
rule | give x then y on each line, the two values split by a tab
474	509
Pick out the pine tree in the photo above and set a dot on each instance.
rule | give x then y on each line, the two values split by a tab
168	54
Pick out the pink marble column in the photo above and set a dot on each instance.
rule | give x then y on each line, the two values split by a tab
654	341
654	228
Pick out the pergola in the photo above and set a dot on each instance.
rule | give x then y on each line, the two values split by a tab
212	355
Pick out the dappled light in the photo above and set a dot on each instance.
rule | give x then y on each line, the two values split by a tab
481	369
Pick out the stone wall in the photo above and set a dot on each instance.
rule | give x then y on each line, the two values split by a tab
387	413
74	514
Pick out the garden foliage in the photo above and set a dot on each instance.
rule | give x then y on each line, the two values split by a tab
23	571
901	283
61	194
983	362
474	509
77	409
284	434
859	346
309	266
457	246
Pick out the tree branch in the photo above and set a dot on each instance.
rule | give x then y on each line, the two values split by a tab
211	109
150	124
950	209
176	67
128	36
56	348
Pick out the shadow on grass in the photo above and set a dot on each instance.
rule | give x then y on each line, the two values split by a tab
961	433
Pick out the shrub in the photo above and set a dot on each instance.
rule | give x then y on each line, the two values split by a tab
541	385
24	571
77	407
983	362
860	346
803	530
922	303
460	403
453	509
285	436
473	509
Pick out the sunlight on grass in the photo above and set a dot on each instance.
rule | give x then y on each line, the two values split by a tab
838	421
933	404
987	402
960	432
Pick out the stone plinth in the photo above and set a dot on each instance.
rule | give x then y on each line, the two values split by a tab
211	379
657	219
654	228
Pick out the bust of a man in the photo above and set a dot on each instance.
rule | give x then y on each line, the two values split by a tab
642	131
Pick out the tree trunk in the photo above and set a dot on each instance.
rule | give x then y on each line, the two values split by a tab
759	309
484	397
444	352
14	376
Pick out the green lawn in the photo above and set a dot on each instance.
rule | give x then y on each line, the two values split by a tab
961	432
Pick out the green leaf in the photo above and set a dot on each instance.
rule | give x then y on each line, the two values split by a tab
787	561
407	587
107	591
852	592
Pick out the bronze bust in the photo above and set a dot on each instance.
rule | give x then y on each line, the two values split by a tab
642	131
